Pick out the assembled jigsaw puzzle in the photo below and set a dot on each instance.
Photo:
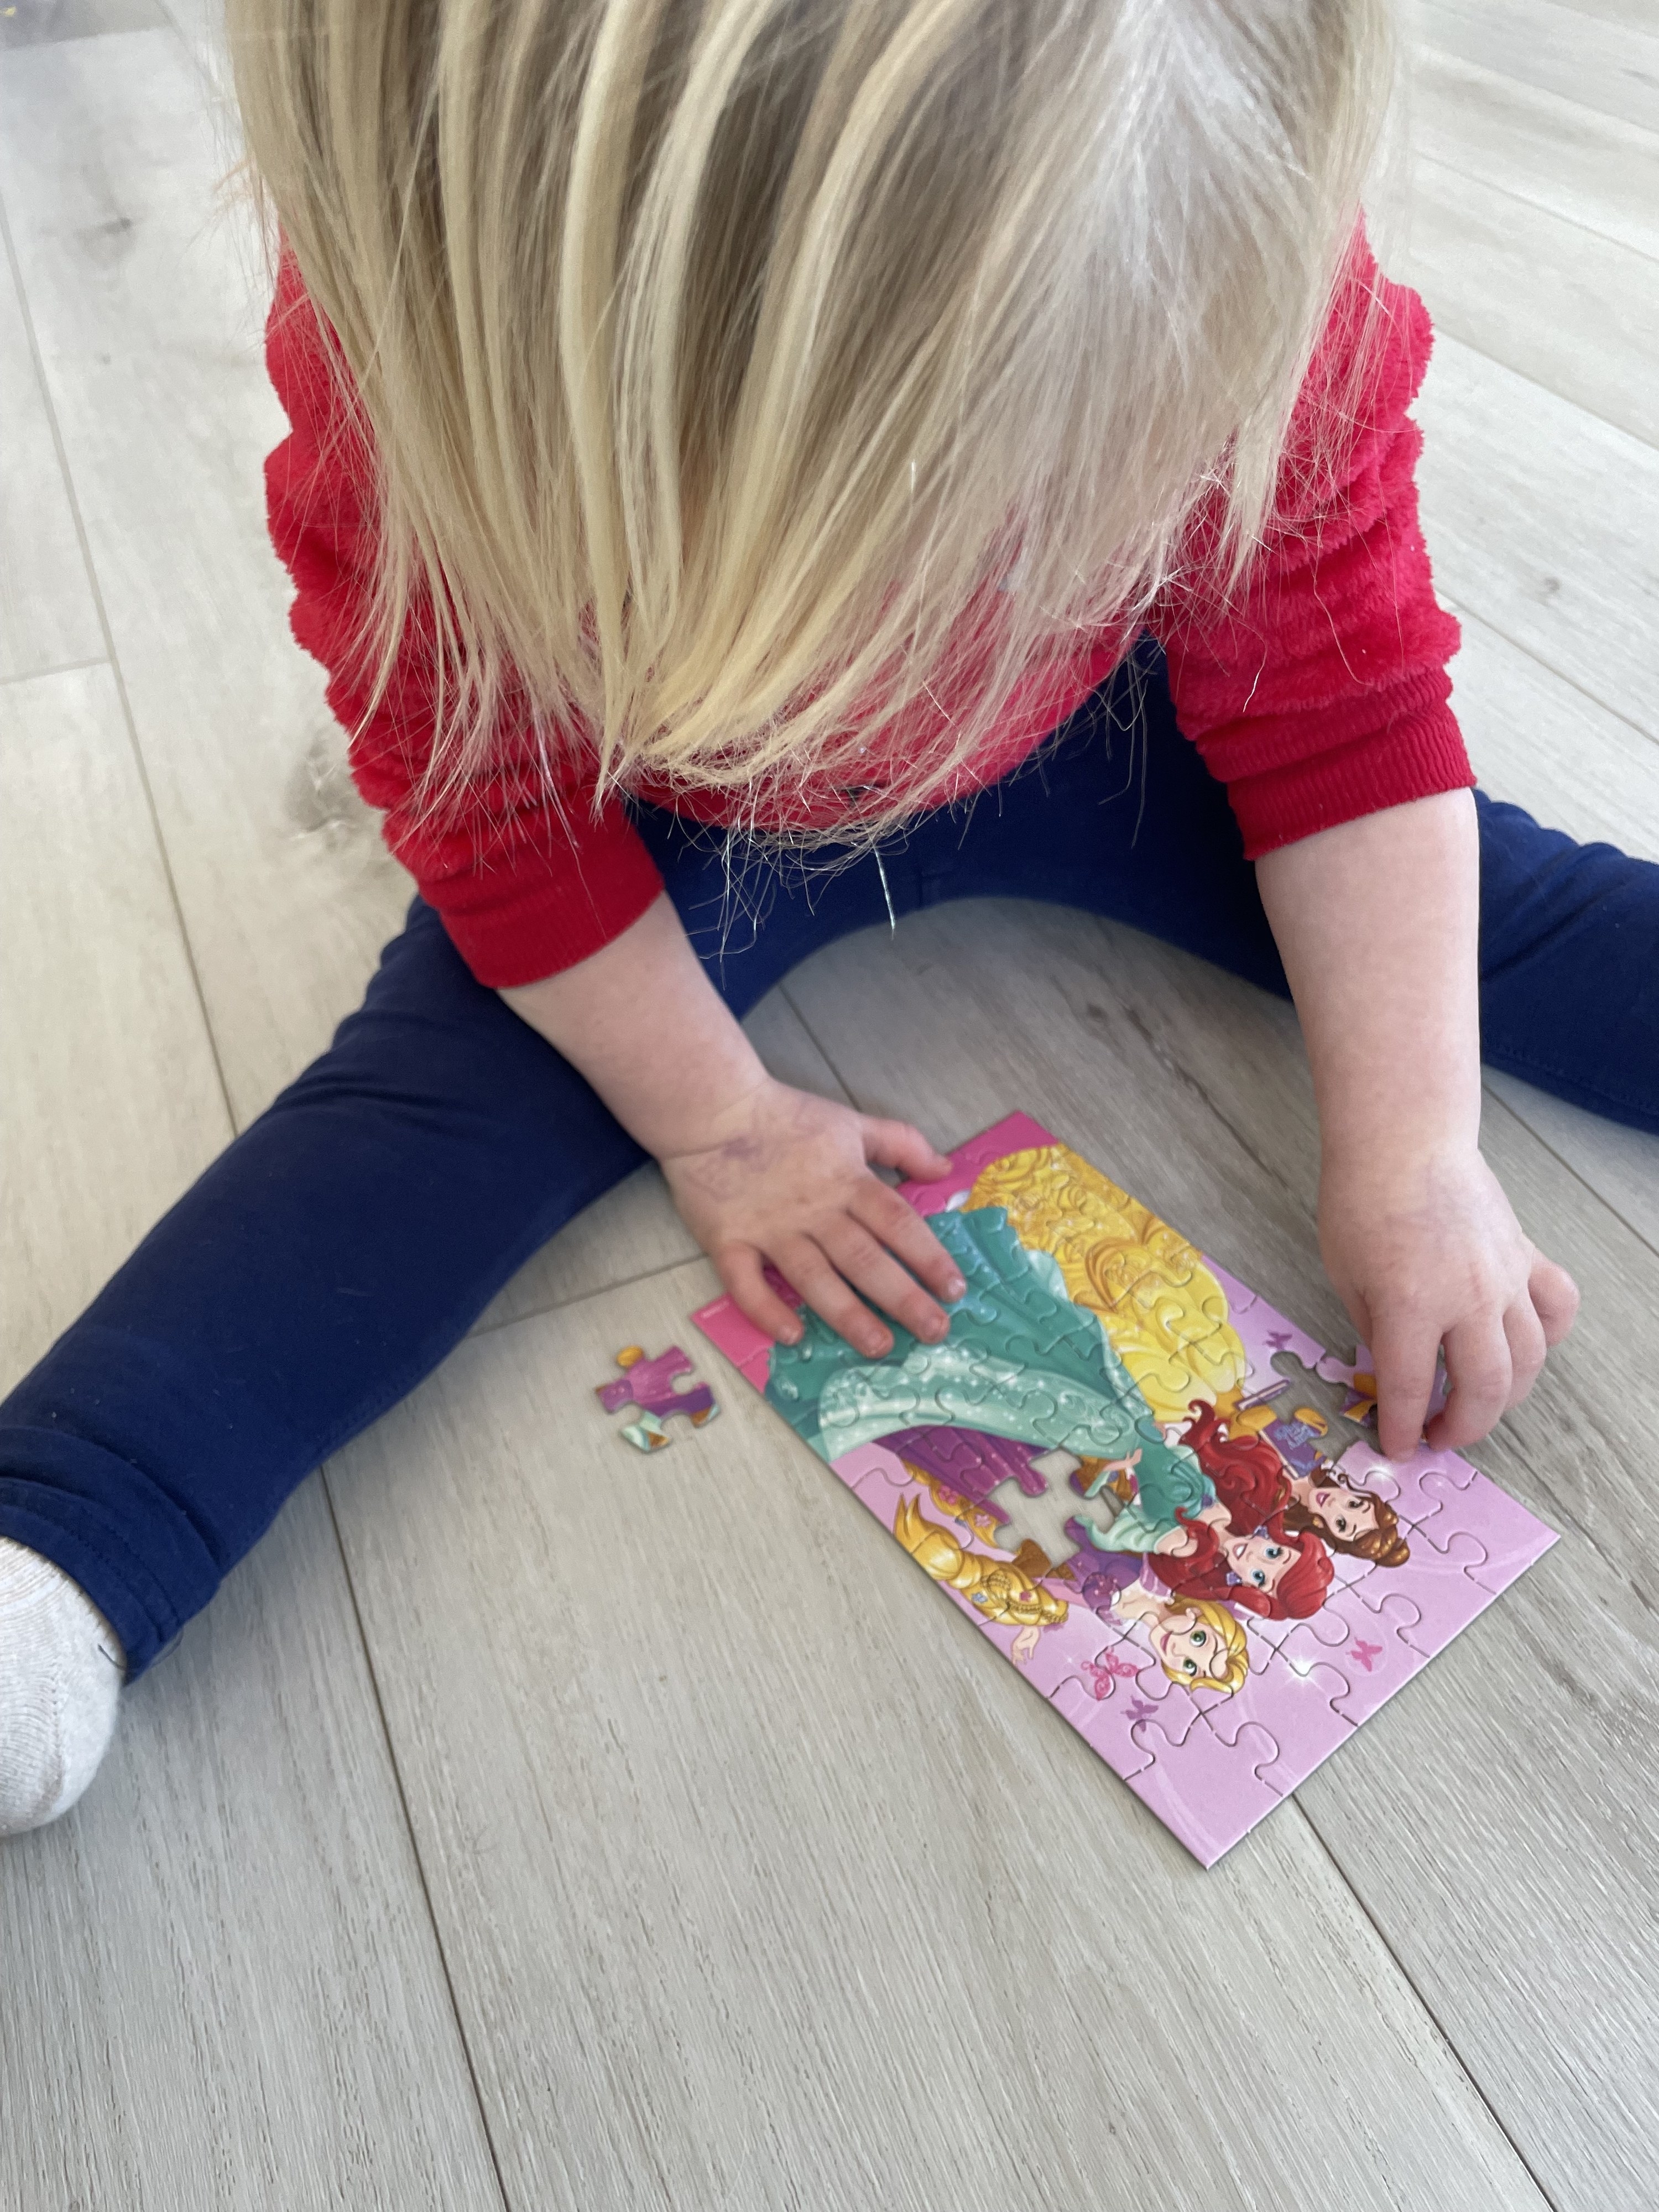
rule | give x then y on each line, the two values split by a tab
1158	1498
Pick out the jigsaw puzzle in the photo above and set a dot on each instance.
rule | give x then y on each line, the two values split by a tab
652	1385
1156	1496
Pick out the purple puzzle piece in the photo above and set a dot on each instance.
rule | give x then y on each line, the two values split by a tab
1098	1577
649	1384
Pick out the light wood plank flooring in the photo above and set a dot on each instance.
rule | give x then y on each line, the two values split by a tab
449	1861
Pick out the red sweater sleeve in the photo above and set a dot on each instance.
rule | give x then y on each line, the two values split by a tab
1322	694
529	878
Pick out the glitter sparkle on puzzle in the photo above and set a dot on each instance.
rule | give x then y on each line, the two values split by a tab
1159	1498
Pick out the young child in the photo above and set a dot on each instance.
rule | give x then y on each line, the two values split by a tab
727	430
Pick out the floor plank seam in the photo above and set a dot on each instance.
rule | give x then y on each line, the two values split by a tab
1496	1098
1540	207
482	1328
415	1848
1596	117
817	1043
1428	2012
164	857
58	668
1464	612
1566	398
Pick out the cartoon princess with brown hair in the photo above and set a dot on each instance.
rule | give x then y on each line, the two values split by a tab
1356	1522
1253	1478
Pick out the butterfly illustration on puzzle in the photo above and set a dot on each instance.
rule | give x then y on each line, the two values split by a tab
1101	1674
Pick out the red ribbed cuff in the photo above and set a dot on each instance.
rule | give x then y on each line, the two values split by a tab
535	917
1414	759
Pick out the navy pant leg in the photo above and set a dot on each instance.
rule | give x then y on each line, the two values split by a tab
339	1248
320	1268
1570	966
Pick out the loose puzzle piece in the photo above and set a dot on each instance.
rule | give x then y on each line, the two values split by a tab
650	1385
1158	1498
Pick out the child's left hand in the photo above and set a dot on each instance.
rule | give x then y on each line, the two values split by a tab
1378	921
1426	1254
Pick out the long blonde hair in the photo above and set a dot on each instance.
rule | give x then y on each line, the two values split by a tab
753	381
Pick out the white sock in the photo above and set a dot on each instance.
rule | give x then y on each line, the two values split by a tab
61	1669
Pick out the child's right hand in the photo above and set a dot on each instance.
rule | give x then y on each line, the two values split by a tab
788	1177
759	1171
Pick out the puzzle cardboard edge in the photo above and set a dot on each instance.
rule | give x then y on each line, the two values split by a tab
1191	1822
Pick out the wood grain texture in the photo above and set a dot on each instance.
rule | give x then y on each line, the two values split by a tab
1504	1831
222	1993
48	617
1591	169
1536	739
146	286
1545	522
1495	1820
1605	58
108	1094
765	1884
1620	1165
633	1230
38	23
1575	312
222	1988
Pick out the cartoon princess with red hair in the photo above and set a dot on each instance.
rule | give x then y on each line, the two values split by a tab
1235	1549
1255	1482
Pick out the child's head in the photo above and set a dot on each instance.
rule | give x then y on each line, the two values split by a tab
724	358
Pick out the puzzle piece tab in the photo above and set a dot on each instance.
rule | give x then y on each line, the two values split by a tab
650	1385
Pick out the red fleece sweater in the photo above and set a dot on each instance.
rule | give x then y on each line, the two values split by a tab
1322	695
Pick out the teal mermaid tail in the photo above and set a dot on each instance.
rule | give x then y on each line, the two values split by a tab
1022	1360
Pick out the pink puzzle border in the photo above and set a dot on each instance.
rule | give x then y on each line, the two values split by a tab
1208	1765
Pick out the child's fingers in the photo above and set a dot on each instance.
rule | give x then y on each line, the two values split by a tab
1525	1333
1555	1298
742	1269
1479	1369
896	1144
903	1231
873	1271
830	1295
1404	1355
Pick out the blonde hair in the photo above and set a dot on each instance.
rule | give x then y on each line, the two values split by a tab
1235	1667
722	359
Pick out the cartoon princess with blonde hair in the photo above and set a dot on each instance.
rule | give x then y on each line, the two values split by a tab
1195	1640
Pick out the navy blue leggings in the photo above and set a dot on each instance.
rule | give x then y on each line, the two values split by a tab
332	1255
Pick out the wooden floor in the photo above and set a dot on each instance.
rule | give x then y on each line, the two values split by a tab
400	1888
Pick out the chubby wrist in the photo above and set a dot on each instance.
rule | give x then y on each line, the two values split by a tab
641	1021
1381	1122
692	1101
